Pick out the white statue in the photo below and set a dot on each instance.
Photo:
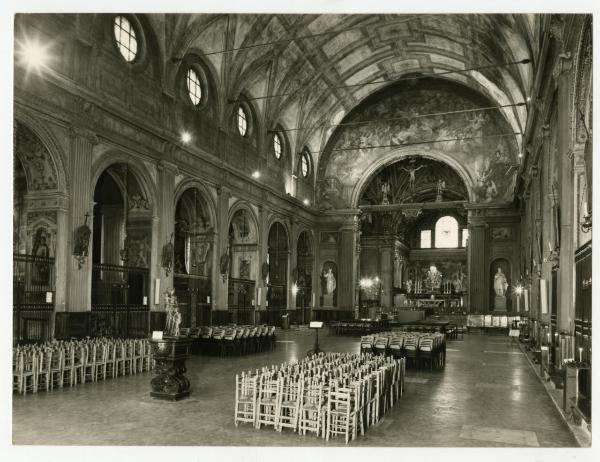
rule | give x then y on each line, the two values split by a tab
500	283
330	281
409	285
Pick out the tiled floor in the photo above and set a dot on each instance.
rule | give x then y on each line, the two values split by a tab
487	396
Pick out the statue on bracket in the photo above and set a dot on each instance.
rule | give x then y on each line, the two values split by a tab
329	284
500	283
500	286
82	242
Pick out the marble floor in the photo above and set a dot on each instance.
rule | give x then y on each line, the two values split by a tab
487	396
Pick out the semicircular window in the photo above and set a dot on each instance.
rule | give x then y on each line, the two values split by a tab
446	233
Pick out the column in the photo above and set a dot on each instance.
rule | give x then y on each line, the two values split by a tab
291	302
347	264
478	296
80	166
386	273
566	276
222	243
163	224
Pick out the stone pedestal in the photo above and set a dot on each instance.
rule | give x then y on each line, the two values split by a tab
499	303
328	300
170	354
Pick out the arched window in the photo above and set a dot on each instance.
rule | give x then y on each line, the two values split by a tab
446	233
242	121
304	164
194	87
277	146
126	38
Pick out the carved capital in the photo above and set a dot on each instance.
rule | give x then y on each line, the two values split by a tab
77	131
163	165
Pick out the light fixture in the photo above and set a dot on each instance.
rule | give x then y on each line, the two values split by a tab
33	54
520	155
306	202
186	137
519	289
365	283
529	99
294	289
256	174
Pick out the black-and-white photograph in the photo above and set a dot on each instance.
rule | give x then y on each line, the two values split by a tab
306	229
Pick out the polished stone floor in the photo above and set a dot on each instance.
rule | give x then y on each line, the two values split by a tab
487	396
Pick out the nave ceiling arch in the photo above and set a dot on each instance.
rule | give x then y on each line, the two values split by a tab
318	79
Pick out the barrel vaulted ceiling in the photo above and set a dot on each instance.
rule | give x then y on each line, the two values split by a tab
321	77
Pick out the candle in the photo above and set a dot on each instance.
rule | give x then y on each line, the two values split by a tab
580	351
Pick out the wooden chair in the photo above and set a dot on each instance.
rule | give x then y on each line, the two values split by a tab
89	368
269	399
25	372
122	362
138	353
148	361
68	365
289	403
246	397
111	358
56	368
81	358
341	413
43	370
311	408
100	361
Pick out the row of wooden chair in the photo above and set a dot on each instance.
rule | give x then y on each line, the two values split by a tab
59	363
355	328
231	339
327	394
419	349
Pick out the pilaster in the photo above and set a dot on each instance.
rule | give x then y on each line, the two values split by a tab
80	279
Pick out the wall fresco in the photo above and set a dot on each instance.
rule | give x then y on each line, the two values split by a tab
474	138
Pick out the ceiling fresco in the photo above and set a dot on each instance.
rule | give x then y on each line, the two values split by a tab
306	71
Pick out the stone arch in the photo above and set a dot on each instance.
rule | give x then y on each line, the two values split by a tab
142	175
399	154
275	218
244	205
47	157
204	192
